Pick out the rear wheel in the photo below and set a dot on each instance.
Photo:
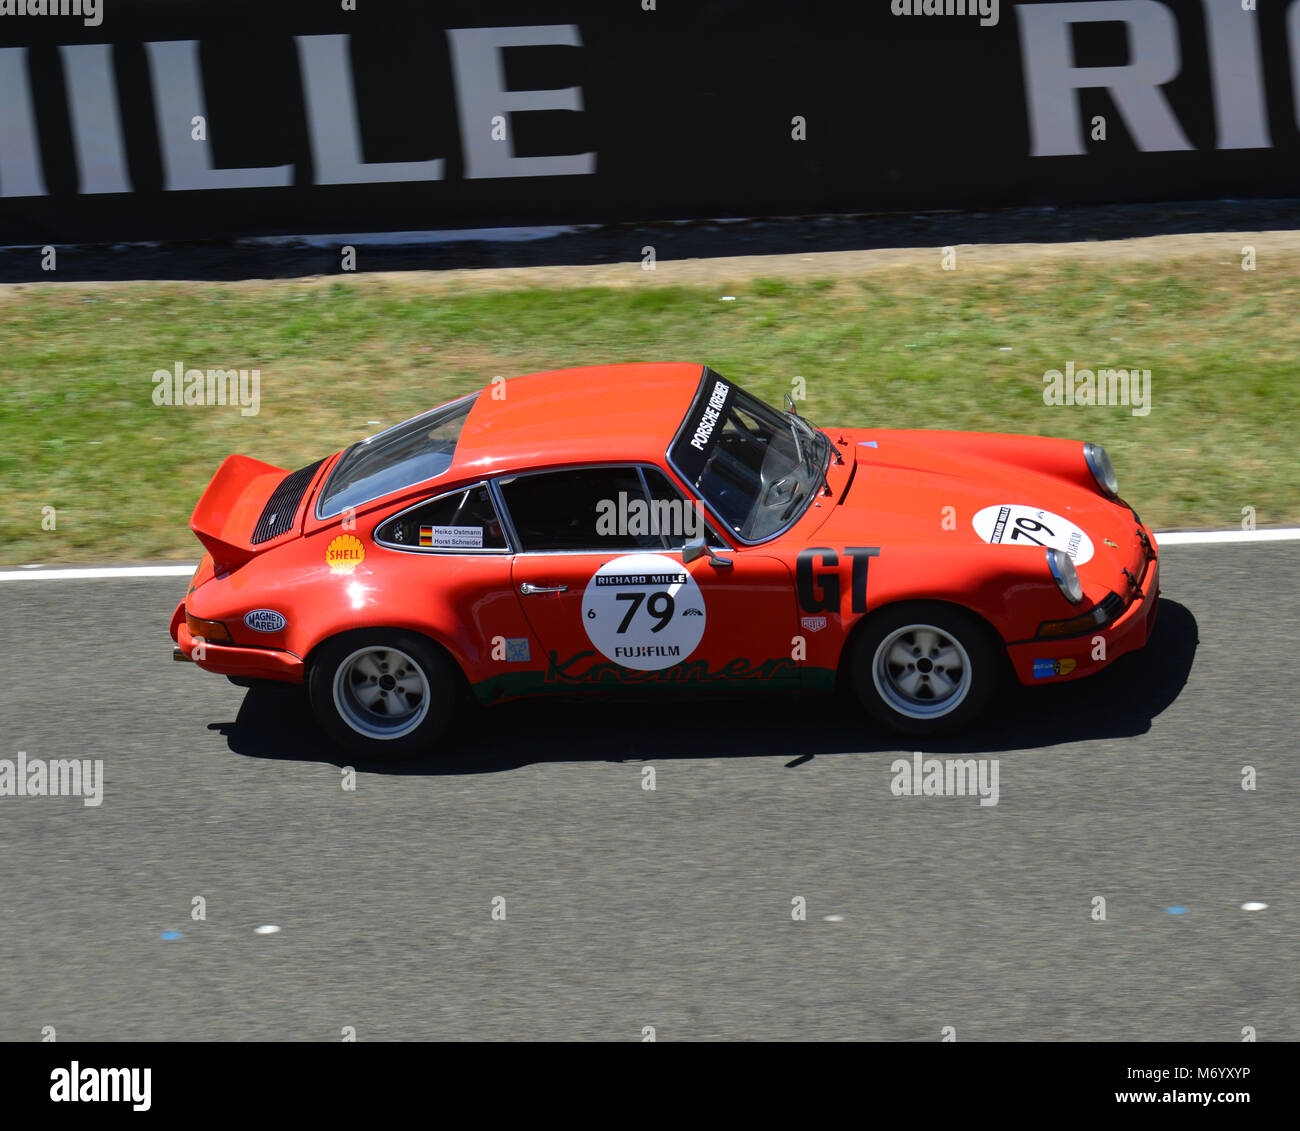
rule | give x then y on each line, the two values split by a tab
925	668
385	694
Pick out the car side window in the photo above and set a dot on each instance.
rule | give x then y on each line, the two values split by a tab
676	519
458	522
591	509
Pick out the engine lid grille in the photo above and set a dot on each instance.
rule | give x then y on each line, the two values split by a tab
278	514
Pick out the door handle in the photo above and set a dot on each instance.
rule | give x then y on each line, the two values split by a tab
528	589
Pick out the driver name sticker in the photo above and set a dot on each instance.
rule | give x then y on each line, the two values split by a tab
643	611
1011	524
451	537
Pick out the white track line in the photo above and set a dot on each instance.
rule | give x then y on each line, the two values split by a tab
98	573
1206	537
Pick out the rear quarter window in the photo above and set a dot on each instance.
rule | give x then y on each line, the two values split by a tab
459	522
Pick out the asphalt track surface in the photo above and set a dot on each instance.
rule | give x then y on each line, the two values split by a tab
628	908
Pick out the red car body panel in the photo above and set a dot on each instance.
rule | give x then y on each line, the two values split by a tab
910	497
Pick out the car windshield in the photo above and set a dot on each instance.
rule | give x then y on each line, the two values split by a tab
756	467
408	453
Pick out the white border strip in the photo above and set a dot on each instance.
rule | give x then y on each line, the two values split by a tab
1208	537
99	573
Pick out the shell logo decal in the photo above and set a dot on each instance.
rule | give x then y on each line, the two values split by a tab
345	553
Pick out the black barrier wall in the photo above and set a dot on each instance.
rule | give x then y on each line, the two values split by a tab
166	119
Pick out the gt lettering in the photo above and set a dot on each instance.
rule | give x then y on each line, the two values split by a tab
819	590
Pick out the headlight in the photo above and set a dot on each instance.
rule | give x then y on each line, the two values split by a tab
1066	576
1103	471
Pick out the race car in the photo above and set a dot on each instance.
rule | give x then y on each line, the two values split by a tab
655	528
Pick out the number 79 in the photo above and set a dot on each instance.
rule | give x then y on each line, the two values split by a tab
660	606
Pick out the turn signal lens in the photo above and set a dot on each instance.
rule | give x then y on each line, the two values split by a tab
213	631
1095	618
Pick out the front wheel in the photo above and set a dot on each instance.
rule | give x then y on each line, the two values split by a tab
925	669
385	694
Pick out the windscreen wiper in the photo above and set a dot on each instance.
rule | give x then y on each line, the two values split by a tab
795	421
794	430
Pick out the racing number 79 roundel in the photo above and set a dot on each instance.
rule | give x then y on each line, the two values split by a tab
644	611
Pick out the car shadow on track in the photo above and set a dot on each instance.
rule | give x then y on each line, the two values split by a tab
1120	702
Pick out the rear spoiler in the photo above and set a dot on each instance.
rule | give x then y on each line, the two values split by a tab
226	516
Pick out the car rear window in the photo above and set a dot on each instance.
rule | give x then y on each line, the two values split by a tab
408	453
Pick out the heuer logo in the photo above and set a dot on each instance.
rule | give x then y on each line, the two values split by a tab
265	620
812	624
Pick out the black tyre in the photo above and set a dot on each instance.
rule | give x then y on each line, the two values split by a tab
925	668
386	694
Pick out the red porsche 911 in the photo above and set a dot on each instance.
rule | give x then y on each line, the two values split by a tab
655	528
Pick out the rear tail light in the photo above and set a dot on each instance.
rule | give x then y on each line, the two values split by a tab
213	631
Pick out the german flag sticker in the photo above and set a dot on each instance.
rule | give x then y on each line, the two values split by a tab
426	536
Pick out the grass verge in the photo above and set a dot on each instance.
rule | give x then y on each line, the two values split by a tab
79	431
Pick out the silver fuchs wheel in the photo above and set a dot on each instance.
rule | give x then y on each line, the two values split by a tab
924	667
381	692
385	693
921	671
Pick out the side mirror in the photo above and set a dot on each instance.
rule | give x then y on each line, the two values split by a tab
698	548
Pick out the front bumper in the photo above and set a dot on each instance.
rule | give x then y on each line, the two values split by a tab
233	659
1057	660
